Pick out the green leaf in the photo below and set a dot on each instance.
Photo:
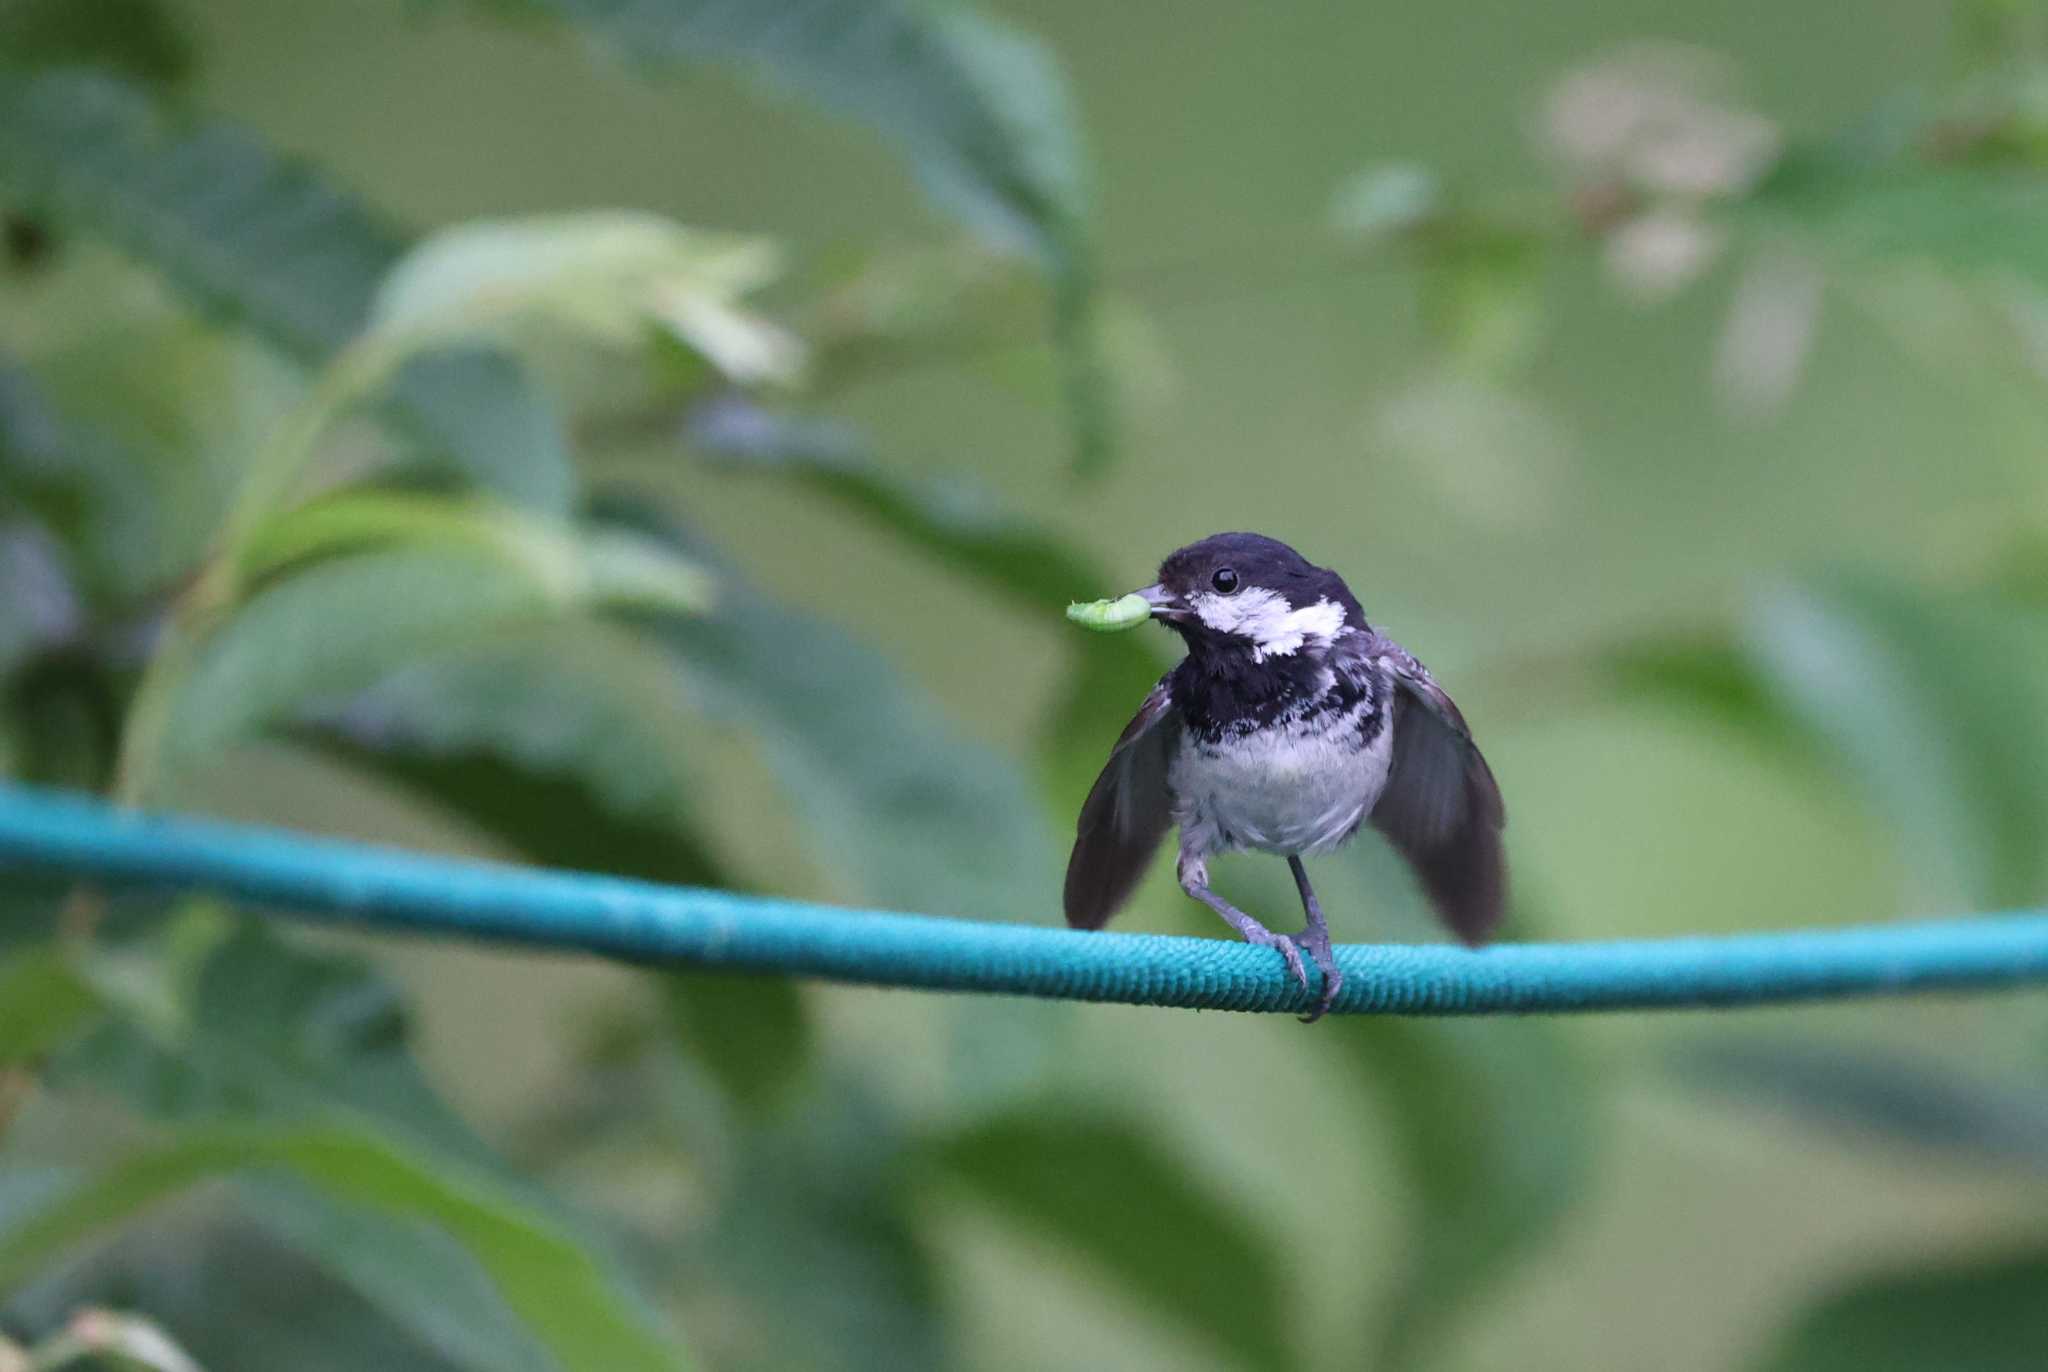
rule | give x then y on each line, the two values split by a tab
1102	1189
43	1002
598	566
341	624
753	1034
1935	705
1983	1316
981	112
242	1027
1491	1125
571	743
561	1292
609	275
1931	702
138	39
1869	213
248	237
252	239
501	429
228	1020
273	1307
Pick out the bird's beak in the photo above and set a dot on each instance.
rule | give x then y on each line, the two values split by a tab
1165	604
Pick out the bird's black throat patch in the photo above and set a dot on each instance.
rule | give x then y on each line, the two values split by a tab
1227	695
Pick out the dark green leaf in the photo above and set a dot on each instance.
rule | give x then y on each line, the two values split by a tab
1986	1316
89	488
563	1294
821	1193
576	699
414	1275
239	1300
1103	1189
908	815
250	238
1491	1124
753	1034
962	531
66	707
552	820
139	39
1888	1096
1708	676
981	110
568	741
817	1191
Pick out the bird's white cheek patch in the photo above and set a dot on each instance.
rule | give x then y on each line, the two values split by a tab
1274	626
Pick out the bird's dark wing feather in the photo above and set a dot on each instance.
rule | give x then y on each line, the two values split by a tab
1126	814
1441	808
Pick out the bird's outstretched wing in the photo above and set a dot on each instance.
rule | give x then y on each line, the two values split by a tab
1441	808
1126	814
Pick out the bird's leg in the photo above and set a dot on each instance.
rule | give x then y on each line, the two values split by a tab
1316	938
1194	879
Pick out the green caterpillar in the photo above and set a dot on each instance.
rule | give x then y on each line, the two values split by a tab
1111	616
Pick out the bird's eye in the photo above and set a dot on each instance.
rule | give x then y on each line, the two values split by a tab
1225	580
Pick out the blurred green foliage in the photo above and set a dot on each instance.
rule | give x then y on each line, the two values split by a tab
528	535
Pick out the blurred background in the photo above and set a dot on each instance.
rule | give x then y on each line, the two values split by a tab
660	438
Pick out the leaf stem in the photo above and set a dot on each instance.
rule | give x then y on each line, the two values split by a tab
356	371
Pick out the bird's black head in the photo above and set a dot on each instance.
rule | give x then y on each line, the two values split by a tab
1252	595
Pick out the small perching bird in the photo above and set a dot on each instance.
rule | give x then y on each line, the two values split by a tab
1290	722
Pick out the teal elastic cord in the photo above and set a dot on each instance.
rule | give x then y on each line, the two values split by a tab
53	834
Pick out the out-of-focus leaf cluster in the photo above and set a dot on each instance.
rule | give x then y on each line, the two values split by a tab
1925	698
272	471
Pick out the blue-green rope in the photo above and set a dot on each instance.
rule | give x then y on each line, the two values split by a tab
49	833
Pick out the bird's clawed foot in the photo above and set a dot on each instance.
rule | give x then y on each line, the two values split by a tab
1290	949
1316	943
1314	940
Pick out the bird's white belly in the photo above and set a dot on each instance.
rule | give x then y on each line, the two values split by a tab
1279	791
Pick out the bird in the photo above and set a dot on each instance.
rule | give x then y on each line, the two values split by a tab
1290	723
